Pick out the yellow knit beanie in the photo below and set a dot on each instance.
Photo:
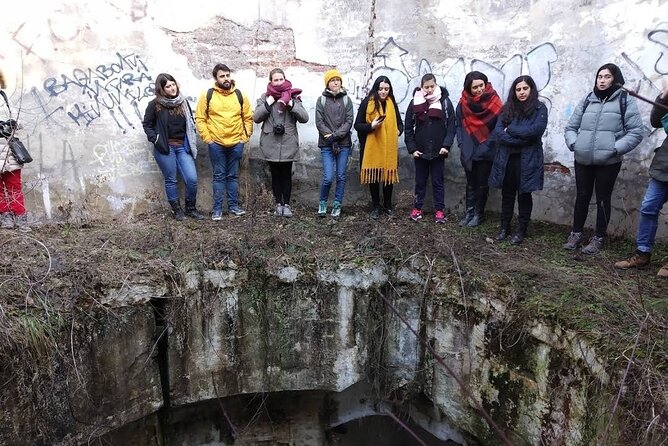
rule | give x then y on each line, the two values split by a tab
331	74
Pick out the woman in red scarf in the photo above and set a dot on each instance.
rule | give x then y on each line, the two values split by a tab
279	110
477	112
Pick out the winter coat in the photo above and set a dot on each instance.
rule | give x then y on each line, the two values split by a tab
596	134
335	118
363	128
469	148
7	161
227	123
155	125
430	135
285	147
523	134
659	167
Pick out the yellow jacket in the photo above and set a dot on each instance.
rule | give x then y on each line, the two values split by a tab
225	124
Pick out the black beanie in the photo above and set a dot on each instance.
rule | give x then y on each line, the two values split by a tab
618	79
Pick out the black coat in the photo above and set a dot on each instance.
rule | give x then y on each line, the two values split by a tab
156	127
469	148
363	128
430	135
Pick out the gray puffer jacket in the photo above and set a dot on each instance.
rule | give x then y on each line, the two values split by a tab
285	147
597	135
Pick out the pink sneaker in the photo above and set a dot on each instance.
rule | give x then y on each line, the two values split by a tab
439	217
416	214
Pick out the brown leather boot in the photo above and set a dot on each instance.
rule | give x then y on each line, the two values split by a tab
637	260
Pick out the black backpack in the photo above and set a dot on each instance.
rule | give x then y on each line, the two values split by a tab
240	98
623	99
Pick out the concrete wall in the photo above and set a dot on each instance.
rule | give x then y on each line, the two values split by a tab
81	73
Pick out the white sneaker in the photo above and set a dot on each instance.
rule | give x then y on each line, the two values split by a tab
279	210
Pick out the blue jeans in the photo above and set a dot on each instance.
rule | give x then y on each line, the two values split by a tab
656	196
225	166
179	160
330	162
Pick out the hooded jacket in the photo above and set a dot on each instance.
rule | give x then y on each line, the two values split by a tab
285	147
335	118
227	123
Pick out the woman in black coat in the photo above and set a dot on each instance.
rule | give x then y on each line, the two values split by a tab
518	164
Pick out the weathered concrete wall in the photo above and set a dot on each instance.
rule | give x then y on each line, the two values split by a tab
81	73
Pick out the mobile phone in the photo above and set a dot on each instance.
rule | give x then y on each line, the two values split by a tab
381	118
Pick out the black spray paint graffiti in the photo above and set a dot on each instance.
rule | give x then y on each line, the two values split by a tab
660	36
107	88
537	62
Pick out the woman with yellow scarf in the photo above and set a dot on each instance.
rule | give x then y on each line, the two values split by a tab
379	126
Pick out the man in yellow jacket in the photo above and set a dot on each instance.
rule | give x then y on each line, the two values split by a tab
224	120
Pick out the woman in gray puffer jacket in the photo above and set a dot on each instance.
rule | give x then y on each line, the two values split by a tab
605	125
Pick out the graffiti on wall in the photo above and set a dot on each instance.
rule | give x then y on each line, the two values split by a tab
117	158
115	88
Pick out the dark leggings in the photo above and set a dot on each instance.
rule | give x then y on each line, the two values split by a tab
387	195
281	181
510	190
477	184
590	178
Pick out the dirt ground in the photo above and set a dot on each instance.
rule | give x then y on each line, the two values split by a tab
57	268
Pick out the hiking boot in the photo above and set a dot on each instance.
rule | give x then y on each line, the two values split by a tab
237	211
439	217
6	220
191	210
322	208
594	246
336	209
416	214
574	239
176	210
22	223
278	212
504	231
637	260
476	220
287	212
468	216
518	237
216	215
663	272
375	213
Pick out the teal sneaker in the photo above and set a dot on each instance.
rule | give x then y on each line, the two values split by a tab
336	209
322	208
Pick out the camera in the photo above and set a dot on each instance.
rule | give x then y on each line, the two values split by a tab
279	129
7	128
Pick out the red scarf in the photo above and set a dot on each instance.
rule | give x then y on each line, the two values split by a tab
479	113
283	93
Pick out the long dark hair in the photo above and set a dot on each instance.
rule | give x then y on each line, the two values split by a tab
474	76
513	108
160	82
374	92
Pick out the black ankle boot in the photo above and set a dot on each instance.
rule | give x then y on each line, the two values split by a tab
504	232
468	216
191	210
519	235
176	210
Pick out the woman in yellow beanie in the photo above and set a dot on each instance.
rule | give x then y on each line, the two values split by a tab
333	119
379	126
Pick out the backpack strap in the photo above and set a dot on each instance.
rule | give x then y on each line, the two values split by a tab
587	101
240	98
209	95
623	99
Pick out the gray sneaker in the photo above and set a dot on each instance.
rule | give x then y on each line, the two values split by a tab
6	220
287	212
22	223
237	211
574	239
216	215
279	210
594	246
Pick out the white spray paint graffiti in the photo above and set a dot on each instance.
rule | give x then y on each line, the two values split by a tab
119	159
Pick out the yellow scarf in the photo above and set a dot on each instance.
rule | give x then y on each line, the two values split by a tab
380	160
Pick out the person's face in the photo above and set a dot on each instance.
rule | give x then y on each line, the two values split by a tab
383	90
277	79
334	84
171	89
224	79
477	87
522	91
429	86
604	79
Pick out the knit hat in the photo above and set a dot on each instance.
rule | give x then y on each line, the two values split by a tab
331	74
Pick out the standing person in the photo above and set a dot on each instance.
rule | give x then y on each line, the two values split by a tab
225	122
518	163
12	201
605	125
334	119
477	112
656	195
430	130
169	125
379	125
279	109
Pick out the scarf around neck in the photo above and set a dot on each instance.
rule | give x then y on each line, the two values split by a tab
380	160
191	133
428	105
283	93
479	113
